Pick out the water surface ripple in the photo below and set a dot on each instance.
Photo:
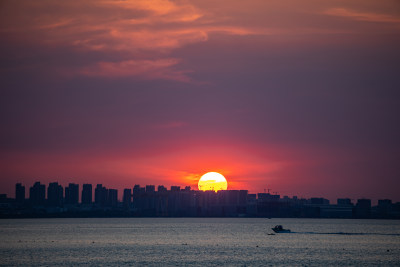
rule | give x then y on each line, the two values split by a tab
198	242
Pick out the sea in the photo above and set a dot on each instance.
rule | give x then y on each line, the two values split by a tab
198	242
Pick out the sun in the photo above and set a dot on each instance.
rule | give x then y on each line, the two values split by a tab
212	181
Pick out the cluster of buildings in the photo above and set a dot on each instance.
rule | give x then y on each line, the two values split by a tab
179	202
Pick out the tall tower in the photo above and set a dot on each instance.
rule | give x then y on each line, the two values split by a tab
55	195
37	194
72	194
19	193
87	194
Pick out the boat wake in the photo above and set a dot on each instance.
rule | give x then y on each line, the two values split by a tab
345	233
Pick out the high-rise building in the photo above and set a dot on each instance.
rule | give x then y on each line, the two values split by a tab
319	201
150	188
175	188
112	197
384	203
363	203
20	193
137	190
87	193
363	208
37	194
100	195
72	194
137	197
384	207
344	202
162	188
55	195
127	198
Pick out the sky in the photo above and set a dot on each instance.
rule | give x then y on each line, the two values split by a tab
299	97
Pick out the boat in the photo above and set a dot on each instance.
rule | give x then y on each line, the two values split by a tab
280	229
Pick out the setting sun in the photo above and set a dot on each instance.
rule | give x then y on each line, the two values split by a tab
212	181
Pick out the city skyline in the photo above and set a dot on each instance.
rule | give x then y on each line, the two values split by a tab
300	97
159	201
120	192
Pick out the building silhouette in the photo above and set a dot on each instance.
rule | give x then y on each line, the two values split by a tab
127	198
72	194
37	194
19	193
87	192
162	188
100	195
181	202
112	200
385	207
55	195
150	188
363	208
344	202
137	189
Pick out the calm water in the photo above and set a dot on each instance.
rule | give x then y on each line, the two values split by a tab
199	241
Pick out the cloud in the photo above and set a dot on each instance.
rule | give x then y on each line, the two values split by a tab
145	69
137	39
362	16
136	35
